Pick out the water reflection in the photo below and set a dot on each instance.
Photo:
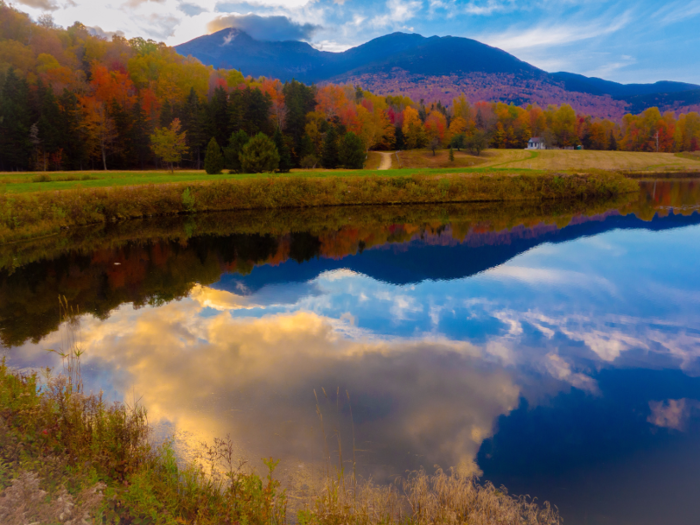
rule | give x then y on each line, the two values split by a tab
555	350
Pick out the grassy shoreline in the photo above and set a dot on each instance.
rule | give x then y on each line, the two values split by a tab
24	216
68	457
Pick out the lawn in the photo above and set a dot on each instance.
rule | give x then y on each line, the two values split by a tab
412	162
22	182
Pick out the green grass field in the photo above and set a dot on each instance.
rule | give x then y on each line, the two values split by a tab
22	183
414	162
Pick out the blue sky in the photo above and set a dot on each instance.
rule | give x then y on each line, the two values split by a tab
626	41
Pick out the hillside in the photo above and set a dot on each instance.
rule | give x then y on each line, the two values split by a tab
435	68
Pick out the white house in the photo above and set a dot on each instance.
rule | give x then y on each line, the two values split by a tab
536	143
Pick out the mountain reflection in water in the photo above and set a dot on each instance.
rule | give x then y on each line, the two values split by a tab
552	349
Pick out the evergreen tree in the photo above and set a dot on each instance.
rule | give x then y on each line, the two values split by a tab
612	144
352	152
307	147
452	154
193	123
285	163
214	160
256	112
400	139
166	114
219	119
300	101
122	126
72	141
139	139
330	155
15	123
50	133
232	152
259	155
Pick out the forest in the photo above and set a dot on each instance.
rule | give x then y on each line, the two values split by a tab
71	100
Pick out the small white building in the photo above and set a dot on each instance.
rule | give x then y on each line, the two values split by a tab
536	143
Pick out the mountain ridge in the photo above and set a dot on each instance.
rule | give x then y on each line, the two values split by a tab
434	68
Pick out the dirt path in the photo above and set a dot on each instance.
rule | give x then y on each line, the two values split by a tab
386	160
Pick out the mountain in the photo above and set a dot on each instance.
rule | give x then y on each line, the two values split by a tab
435	68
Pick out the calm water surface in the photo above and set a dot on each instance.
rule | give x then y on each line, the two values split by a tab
552	350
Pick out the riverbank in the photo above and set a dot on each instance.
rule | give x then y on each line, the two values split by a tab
73	458
30	215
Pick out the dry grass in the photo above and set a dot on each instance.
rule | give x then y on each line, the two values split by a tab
571	160
31	215
374	159
67	457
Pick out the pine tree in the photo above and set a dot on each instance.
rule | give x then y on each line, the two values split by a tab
256	112
232	152
260	155
400	139
193	122
300	101
214	160
452	154
48	125
15	123
219	118
139	140
72	140
330	155
352	152
166	114
285	163
612	145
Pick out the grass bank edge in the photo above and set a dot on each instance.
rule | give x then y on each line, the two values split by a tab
68	457
24	216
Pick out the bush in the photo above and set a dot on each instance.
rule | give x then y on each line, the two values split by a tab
309	162
352	152
213	160
259	155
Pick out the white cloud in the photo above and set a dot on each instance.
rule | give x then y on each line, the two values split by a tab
556	32
400	11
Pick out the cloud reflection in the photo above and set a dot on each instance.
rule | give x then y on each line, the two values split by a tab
414	402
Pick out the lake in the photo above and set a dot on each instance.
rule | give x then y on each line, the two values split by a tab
554	349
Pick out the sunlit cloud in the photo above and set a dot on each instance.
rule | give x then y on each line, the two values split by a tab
672	413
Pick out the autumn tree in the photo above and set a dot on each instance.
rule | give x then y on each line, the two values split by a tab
170	144
413	131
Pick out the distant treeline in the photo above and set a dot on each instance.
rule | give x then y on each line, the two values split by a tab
70	100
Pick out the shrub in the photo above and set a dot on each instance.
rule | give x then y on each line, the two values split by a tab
213	160
259	155
352	152
41	178
309	162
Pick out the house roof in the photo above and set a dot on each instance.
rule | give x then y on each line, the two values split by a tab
536	140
